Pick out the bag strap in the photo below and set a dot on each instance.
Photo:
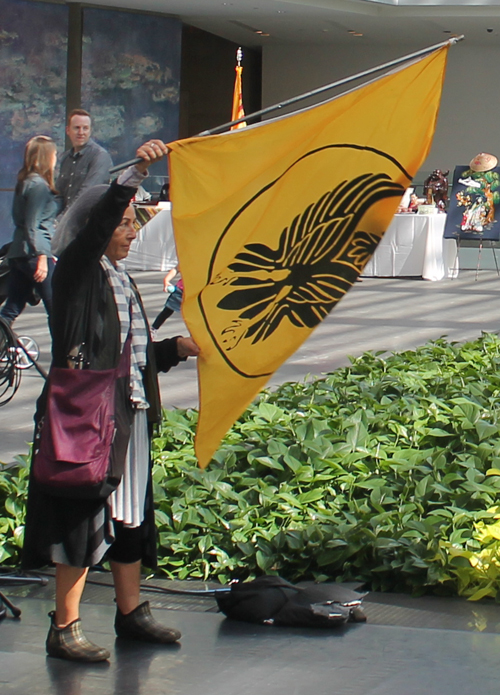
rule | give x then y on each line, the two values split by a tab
123	368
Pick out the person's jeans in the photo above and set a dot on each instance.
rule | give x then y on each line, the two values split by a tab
21	286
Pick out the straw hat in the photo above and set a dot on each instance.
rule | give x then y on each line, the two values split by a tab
483	162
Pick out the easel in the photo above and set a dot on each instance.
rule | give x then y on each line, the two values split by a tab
472	243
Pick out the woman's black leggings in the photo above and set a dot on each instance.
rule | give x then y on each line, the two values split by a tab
162	317
127	546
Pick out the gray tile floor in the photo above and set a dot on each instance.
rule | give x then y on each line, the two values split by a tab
434	647
376	314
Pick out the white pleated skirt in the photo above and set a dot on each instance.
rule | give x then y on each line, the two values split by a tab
128	500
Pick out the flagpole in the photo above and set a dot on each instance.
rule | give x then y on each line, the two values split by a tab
307	95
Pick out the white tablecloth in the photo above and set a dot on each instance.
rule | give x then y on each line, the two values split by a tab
154	247
413	245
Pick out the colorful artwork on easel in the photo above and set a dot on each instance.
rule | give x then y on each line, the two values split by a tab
474	209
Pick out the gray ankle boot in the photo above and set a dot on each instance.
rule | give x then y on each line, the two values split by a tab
70	643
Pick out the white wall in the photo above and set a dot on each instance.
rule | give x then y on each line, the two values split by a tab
469	120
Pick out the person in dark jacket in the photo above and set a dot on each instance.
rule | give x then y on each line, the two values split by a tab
85	164
96	306
34	209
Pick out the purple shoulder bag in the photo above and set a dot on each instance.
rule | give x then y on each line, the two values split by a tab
72	459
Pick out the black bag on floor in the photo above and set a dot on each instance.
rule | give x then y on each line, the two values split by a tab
274	601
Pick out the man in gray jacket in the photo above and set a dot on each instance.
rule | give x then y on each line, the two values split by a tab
85	164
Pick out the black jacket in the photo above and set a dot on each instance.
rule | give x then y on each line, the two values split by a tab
84	310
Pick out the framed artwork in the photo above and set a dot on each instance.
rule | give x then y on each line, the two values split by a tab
131	79
33	58
474	211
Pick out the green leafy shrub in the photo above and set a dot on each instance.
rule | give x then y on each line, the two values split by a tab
386	471
13	495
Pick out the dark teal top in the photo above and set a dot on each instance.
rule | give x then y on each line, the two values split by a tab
34	210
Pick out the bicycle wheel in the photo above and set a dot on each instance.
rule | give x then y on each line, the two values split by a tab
10	376
28	353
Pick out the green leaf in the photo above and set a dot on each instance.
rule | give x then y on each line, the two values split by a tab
438	432
264	562
269	412
488	590
485	430
311	496
268	462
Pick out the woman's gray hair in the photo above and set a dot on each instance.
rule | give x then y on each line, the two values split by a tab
76	217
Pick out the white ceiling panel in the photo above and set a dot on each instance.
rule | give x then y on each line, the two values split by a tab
415	22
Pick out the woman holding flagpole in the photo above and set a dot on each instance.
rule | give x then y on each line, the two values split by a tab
99	325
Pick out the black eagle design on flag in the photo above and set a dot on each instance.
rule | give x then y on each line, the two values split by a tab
318	258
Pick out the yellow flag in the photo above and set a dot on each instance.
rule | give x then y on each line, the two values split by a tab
274	222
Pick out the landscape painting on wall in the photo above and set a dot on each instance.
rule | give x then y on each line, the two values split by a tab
131	79
33	57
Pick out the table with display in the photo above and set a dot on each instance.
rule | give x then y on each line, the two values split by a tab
413	245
